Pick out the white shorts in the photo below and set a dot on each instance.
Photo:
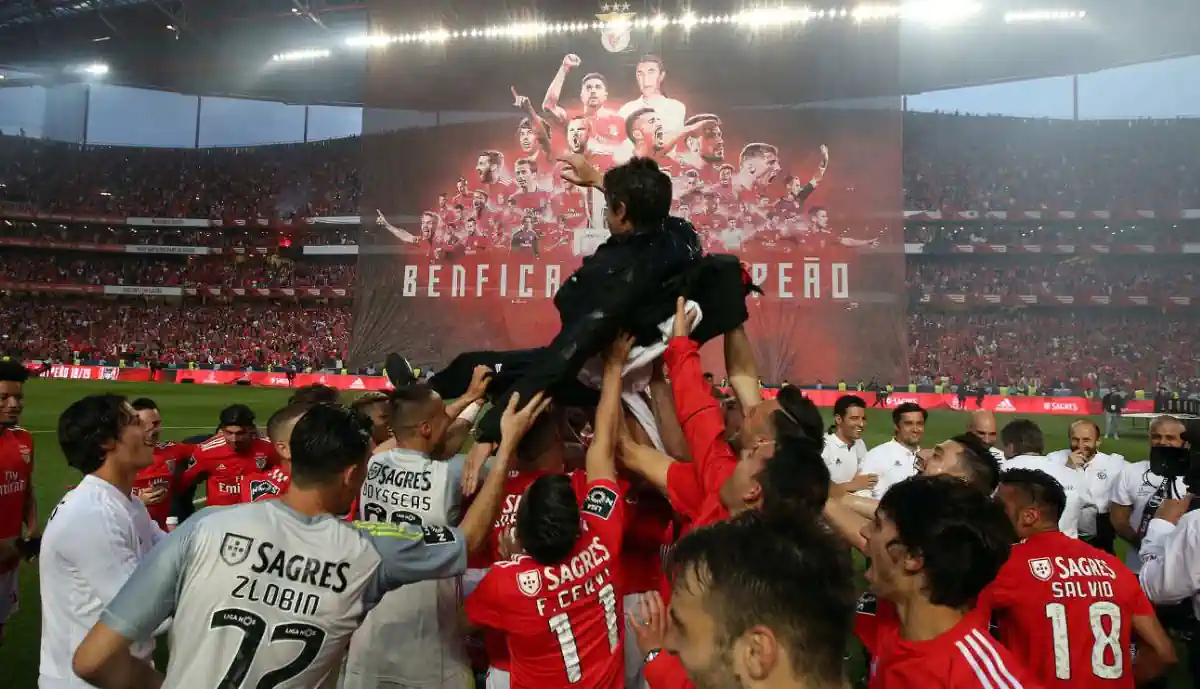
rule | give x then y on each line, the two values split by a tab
9	594
497	679
355	681
635	662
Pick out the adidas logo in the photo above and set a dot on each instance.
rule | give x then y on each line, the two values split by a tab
357	384
1005	405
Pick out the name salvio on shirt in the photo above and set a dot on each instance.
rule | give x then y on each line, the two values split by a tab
1081	577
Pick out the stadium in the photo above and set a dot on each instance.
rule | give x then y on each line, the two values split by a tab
215	202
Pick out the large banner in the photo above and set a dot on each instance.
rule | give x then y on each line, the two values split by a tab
471	229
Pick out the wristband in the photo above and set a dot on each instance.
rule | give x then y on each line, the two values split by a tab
652	655
471	412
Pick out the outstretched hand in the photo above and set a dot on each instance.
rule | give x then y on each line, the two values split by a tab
684	320
579	171
514	423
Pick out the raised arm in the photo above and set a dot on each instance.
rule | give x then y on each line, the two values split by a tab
554	90
742	368
402	235
601	454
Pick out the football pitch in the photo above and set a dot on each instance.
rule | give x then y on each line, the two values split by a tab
190	410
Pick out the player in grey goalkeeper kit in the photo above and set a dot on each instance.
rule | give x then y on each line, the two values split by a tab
267	594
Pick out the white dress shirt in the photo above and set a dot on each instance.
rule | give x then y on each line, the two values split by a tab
1099	479
1135	488
671	112
92	543
892	463
1170	557
842	458
1071	480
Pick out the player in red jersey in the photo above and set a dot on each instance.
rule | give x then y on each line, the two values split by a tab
273	482
570	207
933	546
649	138
233	452
705	150
529	198
580	139
490	177
155	485
558	601
525	239
462	194
1068	610
18	507
607	125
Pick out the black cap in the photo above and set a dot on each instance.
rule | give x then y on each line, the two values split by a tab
237	415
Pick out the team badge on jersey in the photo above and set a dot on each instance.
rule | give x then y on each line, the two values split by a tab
1041	568
435	534
26	453
530	582
260	462
600	501
235	549
261	489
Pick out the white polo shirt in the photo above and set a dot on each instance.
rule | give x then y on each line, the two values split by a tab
1136	488
1099	477
1171	561
892	462
93	542
843	459
1072	482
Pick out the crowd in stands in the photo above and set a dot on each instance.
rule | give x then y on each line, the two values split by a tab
950	162
258	334
268	271
1161	234
1072	276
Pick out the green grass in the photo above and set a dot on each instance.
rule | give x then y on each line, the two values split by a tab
189	410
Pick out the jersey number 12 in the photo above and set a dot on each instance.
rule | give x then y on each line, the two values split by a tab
560	624
253	629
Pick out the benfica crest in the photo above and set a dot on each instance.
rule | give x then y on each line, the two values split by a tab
617	24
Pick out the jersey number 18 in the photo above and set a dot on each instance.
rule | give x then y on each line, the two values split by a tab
1104	641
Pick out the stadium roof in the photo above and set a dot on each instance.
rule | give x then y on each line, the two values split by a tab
224	47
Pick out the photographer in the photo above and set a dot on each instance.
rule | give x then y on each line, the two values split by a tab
1170	551
1140	489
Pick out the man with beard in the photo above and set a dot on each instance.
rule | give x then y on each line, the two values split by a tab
580	140
529	198
738	619
758	167
705	151
981	423
18	507
490	176
608	128
724	191
1100	473
462	195
651	73
896	460
649	137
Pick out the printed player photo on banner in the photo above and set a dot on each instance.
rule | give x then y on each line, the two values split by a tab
473	228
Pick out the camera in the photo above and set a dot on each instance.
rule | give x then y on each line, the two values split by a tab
1175	462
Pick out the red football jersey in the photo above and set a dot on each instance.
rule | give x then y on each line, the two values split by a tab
169	457
571	207
605	125
1066	610
224	466
648	518
564	621
263	485
16	479
964	657
535	201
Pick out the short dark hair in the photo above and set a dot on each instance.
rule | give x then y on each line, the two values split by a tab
983	471
236	415
85	427
795	481
797	415
630	119
908	408
642	188
526	161
702	117
593	75
747	569
282	417
651	57
756	150
963	536
316	393
1040	489
143	403
847	402
13	371
327	440
494	157
548	519
410	404
1025	436
814	210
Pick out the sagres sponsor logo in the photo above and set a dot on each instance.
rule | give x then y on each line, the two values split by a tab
1005	405
530	582
1041	568
1051	405
235	548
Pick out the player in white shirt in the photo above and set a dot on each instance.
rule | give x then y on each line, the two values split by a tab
897	459
844	449
1024	445
1100	474
96	535
412	638
650	74
981	423
1170	556
1138	491
268	593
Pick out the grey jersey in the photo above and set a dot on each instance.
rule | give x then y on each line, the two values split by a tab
413	637
266	597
